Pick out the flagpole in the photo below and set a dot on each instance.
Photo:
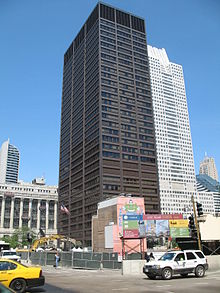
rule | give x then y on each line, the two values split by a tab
69	224
67	212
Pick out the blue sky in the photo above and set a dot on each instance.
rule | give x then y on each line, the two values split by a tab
34	34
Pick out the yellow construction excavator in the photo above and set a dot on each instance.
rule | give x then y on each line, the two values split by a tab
51	237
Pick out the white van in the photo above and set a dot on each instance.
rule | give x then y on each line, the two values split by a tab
10	254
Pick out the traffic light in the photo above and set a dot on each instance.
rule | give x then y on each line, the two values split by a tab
191	223
199	209
192	227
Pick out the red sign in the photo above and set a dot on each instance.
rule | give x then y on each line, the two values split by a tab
131	233
162	217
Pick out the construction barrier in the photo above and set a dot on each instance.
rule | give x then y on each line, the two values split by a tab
75	259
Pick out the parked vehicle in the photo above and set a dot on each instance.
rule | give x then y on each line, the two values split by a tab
19	277
177	262
10	254
4	245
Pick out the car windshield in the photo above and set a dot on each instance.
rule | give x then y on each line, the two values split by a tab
9	253
167	256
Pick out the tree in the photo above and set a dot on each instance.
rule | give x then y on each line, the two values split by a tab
12	240
19	237
22	233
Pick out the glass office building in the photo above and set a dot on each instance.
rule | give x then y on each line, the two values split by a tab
107	142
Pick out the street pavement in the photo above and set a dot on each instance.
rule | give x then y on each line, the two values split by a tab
88	281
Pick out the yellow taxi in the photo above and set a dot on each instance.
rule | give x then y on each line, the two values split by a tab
20	277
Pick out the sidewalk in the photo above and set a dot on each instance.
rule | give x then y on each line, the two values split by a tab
69	270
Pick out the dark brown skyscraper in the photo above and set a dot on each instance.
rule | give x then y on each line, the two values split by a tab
107	143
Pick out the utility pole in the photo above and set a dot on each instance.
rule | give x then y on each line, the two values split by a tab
197	224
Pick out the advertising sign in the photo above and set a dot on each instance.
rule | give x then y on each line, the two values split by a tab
162	217
128	206
159	225
178	223
157	228
133	226
132	208
179	228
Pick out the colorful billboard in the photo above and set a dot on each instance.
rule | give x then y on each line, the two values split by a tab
133	226
162	217
133	208
128	206
179	228
166	225
157	228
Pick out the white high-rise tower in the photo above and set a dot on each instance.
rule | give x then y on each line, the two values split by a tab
176	171
9	163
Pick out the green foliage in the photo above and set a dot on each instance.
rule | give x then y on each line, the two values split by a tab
12	240
19	237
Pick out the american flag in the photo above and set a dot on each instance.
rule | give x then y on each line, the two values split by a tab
64	209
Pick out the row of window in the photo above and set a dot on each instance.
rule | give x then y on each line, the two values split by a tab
127	157
127	149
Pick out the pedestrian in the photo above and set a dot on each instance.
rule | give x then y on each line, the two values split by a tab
152	256
57	259
147	257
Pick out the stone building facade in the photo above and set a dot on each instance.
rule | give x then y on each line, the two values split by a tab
32	205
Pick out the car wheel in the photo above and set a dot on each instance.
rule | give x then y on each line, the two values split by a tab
167	274
200	271
18	285
152	277
184	275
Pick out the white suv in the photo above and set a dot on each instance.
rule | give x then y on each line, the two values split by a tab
177	262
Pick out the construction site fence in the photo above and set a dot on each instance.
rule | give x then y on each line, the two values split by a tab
83	260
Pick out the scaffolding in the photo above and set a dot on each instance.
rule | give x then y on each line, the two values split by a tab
126	244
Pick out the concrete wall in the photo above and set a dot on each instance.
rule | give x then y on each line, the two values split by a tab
133	267
209	229
214	262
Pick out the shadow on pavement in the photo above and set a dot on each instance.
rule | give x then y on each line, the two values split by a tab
175	277
36	290
50	289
